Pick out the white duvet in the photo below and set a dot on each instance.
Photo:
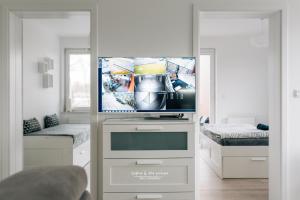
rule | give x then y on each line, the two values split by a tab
236	131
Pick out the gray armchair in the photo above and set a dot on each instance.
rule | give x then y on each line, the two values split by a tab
46	183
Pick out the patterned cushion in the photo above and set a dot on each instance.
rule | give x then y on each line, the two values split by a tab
31	125
51	120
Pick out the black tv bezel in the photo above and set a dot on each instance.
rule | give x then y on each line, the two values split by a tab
188	111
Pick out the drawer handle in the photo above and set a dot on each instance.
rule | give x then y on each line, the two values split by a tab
149	196
149	162
258	159
149	128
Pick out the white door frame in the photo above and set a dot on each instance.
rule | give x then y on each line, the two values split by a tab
213	86
9	137
277	91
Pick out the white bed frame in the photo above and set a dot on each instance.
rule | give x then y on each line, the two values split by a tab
53	151
235	161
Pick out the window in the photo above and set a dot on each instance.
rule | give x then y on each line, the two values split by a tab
207	84
78	64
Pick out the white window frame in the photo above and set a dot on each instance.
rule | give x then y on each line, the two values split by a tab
68	52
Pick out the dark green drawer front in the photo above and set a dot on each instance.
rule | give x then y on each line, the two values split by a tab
126	141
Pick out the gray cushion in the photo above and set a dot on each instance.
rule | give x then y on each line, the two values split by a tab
31	125
86	196
46	183
51	120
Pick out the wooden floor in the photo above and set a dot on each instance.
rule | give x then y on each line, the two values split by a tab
214	188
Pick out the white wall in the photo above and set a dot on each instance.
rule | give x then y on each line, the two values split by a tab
293	159
39	42
241	78
145	28
70	42
156	28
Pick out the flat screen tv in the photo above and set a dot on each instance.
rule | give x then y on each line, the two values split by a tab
128	84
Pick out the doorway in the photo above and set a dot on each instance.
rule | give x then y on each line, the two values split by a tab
273	74
46	70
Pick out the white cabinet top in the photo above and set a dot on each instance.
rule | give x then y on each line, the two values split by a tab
146	121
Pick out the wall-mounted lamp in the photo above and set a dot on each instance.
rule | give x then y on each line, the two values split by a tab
44	66
47	80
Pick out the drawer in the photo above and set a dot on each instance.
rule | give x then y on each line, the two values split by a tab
148	141
148	175
215	154
245	167
146	127
149	196
81	154
204	147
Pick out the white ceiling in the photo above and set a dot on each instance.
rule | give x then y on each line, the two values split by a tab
62	24
233	27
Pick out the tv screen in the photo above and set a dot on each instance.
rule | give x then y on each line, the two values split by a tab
147	84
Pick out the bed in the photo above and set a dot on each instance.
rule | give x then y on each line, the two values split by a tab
235	150
65	144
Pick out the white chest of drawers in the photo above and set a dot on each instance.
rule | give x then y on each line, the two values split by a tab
148	159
